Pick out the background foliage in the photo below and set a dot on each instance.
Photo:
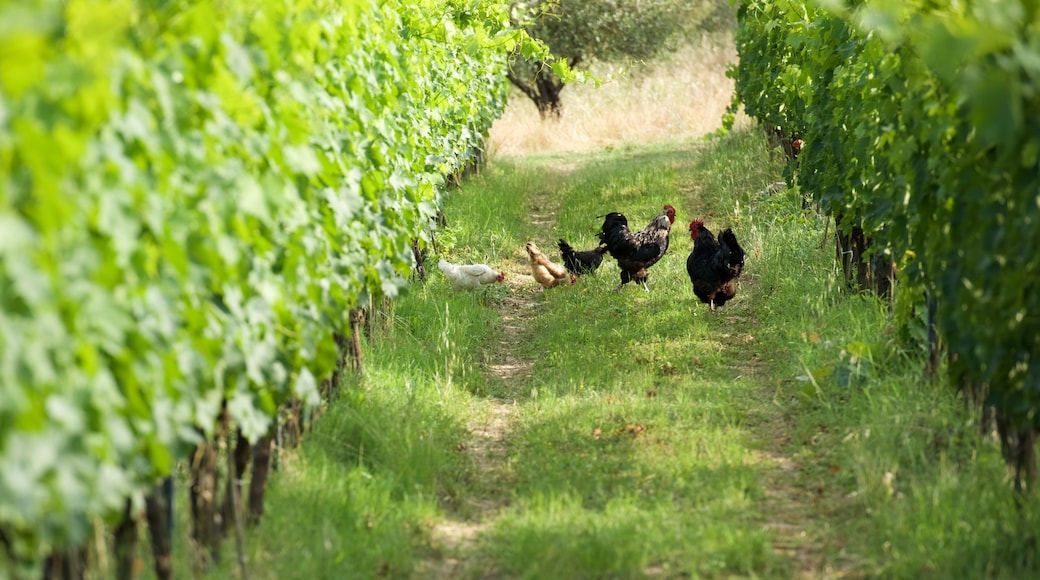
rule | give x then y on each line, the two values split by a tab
582	32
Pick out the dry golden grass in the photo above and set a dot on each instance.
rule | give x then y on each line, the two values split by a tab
683	97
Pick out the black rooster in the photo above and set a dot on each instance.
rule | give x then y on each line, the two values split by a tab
584	262
714	266
636	252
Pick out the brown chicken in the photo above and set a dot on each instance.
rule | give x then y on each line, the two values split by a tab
545	272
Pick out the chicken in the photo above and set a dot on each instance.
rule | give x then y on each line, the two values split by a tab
583	262
714	266
636	252
470	276
545	272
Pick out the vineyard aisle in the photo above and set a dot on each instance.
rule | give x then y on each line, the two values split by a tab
787	507
629	448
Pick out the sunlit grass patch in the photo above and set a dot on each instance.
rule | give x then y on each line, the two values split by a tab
560	535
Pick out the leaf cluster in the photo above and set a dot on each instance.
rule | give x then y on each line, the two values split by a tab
609	31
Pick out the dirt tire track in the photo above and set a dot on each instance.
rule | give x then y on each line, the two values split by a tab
454	538
791	511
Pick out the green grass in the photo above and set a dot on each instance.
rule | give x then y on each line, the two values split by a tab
788	434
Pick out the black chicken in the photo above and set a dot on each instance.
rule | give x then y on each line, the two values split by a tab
583	262
714	266
636	252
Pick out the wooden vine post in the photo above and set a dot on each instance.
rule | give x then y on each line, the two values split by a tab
159	515
258	481
67	564
356	316
863	269
125	543
1018	443
237	466
232	508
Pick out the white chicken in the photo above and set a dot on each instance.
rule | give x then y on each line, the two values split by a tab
469	276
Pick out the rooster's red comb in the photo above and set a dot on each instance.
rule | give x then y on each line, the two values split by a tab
695	227
670	212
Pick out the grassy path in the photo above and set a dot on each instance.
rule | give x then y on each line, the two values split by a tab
578	432
641	417
786	514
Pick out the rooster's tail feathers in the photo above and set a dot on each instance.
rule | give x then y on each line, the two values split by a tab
728	238
614	227
613	221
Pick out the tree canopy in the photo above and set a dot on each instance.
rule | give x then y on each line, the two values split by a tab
580	32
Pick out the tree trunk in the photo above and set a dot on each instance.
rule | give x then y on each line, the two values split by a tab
420	260
931	369
239	459
883	276
378	320
543	89
1019	447
844	251
204	513
860	244
331	385
291	426
779	138
68	564
876	273
8	546
126	544
470	167
159	513
258	481
548	102
236	465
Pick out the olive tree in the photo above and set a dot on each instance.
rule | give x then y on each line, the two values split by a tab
580	32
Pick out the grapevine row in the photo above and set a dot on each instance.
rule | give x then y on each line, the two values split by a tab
921	125
193	197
